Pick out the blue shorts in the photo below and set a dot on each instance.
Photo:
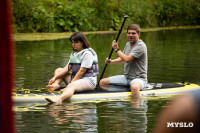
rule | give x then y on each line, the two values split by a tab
122	80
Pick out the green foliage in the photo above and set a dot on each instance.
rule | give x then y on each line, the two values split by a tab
92	15
177	12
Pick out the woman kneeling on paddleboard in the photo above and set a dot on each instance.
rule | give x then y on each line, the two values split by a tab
84	65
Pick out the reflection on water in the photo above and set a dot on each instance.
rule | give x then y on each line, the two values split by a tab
124	115
72	116
173	57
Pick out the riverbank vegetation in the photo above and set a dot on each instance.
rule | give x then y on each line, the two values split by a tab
63	35
32	16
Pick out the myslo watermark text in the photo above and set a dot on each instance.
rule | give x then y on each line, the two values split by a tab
180	124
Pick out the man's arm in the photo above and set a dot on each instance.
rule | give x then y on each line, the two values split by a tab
125	58
114	61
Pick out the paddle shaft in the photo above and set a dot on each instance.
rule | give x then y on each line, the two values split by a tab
120	30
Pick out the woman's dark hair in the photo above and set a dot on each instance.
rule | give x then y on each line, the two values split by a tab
80	37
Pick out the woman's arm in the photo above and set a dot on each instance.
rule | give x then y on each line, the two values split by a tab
64	71
79	74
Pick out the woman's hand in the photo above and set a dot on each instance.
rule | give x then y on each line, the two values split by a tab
51	81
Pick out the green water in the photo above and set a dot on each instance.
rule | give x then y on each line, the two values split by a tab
123	115
173	57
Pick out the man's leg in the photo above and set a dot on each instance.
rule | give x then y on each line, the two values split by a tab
135	89
115	80
136	86
104	81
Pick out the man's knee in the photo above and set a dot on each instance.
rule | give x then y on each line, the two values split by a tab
136	86
135	89
104	81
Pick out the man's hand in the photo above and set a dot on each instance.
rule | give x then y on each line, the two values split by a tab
108	61
115	45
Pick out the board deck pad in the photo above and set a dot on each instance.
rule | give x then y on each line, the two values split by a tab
103	92
98	89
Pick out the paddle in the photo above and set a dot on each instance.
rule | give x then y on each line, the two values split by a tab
120	30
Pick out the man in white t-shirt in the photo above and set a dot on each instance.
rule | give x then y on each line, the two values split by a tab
134	57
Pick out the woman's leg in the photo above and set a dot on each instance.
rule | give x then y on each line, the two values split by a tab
56	84
67	92
76	86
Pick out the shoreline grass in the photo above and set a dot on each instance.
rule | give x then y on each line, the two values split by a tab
55	36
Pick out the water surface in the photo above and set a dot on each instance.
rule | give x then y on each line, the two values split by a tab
173	57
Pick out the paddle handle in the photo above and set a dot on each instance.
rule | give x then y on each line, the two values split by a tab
120	30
